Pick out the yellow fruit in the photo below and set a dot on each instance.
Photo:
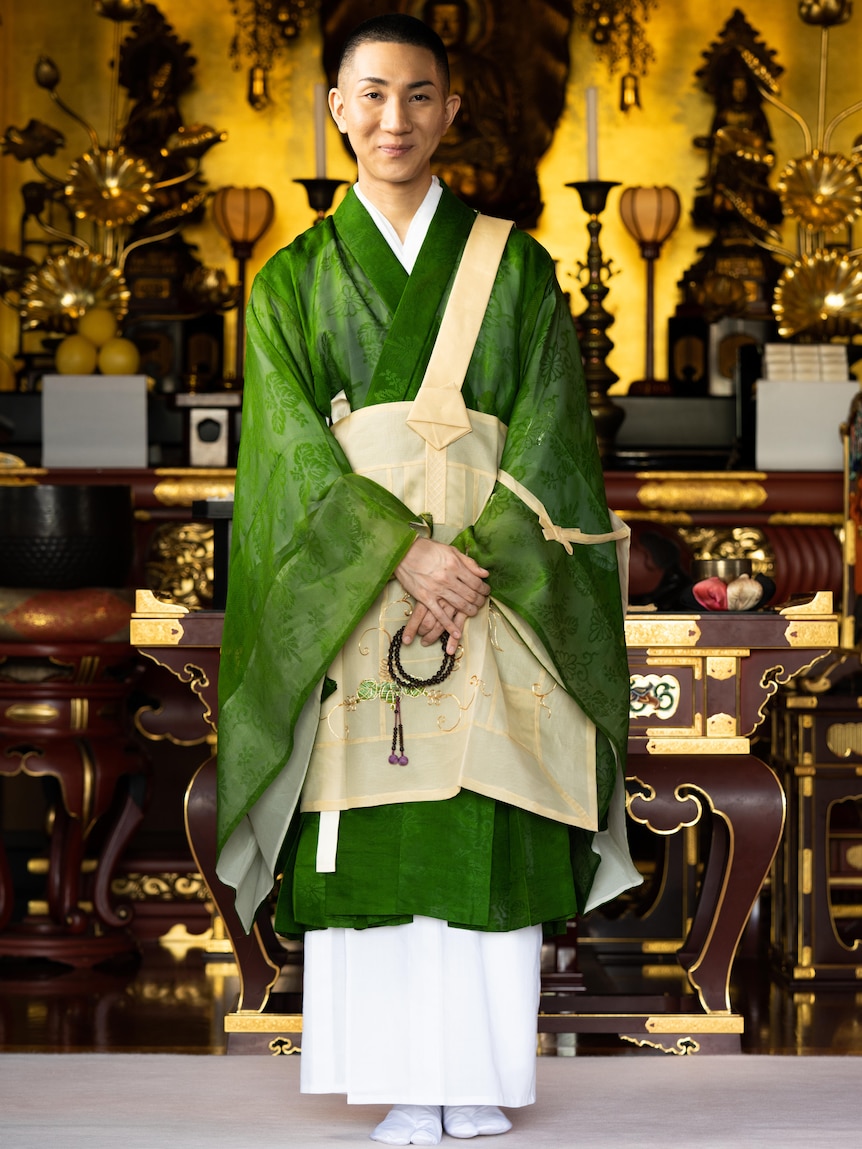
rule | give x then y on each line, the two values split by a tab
119	357
76	356
98	325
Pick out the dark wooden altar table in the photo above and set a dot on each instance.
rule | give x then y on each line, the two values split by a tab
699	685
63	719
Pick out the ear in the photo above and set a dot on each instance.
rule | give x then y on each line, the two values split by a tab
336	109
453	103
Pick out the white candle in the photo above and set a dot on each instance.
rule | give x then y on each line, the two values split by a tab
592	135
320	113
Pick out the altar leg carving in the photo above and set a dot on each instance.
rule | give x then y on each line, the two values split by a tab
747	804
257	972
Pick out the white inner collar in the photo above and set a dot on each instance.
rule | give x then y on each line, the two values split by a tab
407	251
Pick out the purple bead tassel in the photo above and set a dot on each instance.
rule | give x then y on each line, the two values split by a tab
401	678
399	759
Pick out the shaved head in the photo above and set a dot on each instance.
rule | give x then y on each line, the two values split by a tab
396	28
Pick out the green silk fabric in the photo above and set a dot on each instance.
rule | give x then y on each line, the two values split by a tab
314	544
476	863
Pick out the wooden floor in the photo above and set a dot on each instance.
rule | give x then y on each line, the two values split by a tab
168	1000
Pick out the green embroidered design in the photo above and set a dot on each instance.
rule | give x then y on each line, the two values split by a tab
387	691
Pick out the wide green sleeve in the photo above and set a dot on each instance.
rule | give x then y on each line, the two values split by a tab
572	601
312	546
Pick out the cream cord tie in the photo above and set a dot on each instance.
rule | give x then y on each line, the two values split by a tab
553	533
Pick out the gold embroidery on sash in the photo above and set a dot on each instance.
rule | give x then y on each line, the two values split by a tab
537	693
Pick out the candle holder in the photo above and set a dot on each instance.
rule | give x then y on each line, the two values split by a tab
320	194
594	321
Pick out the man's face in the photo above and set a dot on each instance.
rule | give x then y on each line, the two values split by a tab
392	105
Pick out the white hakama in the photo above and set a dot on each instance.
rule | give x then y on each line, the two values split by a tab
421	1014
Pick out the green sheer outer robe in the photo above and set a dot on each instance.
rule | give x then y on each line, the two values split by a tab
314	544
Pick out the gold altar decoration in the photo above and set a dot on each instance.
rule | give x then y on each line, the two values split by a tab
617	28
821	192
180	564
66	286
110	187
263	29
822	292
129	192
819	295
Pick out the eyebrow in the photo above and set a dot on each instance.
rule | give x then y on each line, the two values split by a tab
385	83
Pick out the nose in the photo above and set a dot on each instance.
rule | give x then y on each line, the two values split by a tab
395	118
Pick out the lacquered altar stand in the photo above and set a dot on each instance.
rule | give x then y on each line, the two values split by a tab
700	683
63	719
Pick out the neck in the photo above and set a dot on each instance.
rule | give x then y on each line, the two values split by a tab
398	202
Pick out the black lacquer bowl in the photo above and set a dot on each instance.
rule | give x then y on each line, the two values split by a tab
65	536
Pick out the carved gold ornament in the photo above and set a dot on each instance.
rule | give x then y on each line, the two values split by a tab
701	493
180	564
181	492
744	144
67	285
167	886
820	294
193	141
821	192
110	186
844	739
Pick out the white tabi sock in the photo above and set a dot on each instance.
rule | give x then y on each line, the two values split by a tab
410	1125
474	1120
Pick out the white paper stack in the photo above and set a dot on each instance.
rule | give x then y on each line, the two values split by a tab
806	362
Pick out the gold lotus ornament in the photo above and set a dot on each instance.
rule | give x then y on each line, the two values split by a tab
61	289
822	192
820	295
110	186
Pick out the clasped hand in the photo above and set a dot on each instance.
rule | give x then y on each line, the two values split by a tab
449	587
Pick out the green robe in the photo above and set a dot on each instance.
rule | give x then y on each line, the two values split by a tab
314	544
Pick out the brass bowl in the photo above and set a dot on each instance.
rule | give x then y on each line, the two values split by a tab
726	569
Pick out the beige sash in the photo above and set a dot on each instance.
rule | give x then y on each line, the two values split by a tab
439	414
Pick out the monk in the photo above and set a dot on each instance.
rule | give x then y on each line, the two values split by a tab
424	686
